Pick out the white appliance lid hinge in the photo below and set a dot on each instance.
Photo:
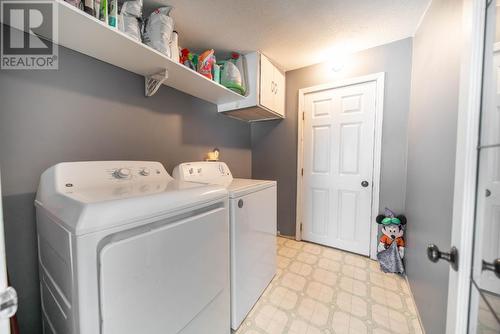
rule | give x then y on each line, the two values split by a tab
153	82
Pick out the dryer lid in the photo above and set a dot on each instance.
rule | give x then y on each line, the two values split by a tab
241	187
89	196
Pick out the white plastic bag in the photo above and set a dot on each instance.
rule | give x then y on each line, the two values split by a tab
132	8
76	3
130	25
158	30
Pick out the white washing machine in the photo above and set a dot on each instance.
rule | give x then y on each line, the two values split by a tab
253	216
123	249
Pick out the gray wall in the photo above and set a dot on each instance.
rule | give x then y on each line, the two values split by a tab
274	144
431	156
89	110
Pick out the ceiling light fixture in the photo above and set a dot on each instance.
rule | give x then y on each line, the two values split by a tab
338	62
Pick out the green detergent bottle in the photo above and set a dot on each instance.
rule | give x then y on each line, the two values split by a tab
231	77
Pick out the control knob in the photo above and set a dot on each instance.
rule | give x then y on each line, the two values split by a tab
145	172
122	173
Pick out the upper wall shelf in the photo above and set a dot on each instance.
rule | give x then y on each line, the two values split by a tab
86	34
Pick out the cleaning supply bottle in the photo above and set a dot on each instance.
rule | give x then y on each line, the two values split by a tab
205	63
174	47
230	77
216	73
239	61
97	9
89	7
112	13
103	11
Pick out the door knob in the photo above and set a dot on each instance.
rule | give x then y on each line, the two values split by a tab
434	255
364	184
240	203
493	266
8	303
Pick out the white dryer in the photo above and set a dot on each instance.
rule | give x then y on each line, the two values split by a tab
125	249
253	219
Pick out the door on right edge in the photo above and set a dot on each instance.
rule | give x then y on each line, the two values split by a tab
485	279
338	144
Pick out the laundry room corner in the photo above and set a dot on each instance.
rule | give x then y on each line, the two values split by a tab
274	143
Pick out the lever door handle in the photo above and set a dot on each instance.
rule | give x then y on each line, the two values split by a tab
493	266
434	255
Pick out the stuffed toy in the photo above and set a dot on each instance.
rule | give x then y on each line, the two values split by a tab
391	247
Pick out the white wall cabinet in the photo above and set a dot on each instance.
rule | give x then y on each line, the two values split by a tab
266	92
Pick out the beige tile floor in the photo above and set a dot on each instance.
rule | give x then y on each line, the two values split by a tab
320	290
486	322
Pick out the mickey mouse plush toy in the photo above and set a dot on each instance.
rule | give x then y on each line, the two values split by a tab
392	231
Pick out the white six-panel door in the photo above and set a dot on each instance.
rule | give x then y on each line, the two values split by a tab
338	161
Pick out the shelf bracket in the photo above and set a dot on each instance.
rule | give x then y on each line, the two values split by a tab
153	82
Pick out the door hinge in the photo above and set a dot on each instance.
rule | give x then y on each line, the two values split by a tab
301	227
303	116
302	171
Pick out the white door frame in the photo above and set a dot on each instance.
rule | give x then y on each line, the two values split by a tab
4	323
464	199
379	79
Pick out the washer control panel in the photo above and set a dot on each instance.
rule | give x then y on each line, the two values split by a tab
104	173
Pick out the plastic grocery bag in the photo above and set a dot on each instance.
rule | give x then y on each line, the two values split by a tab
76	3
130	25
131	8
158	30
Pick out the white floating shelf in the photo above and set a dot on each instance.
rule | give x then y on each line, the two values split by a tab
86	34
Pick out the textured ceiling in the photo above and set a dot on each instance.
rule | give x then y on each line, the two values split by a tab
294	33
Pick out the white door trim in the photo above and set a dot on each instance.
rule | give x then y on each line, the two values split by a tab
4	323
469	110
379	79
